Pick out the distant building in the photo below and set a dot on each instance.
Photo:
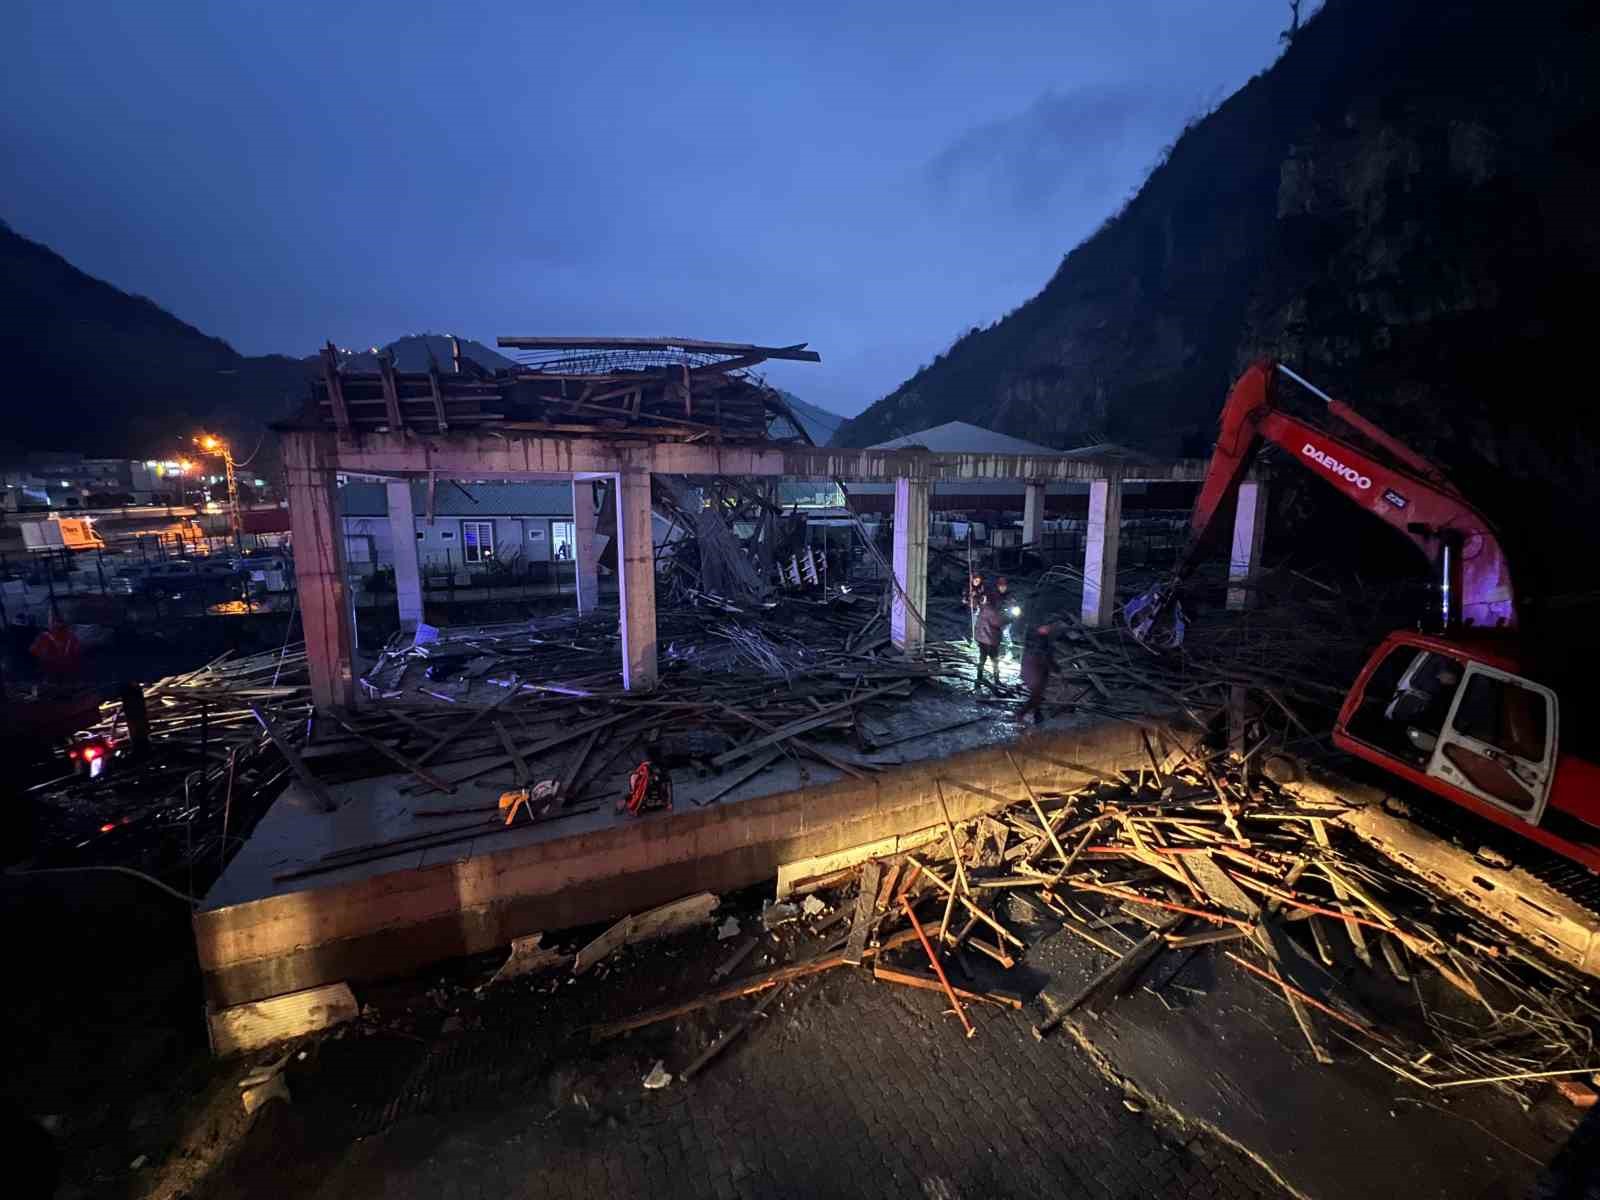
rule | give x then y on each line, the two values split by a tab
960	437
474	526
65	480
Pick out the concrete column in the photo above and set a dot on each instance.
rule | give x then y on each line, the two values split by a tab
1100	546
910	561
585	547
403	536
1033	515
319	568
1249	532
637	578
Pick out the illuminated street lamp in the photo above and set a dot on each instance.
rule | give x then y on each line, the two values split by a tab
216	445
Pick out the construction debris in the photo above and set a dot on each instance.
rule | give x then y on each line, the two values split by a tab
175	794
528	956
665	921
268	1022
1192	858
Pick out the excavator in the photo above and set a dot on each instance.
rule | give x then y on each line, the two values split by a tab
1468	713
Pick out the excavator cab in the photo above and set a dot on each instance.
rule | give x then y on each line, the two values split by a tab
1471	730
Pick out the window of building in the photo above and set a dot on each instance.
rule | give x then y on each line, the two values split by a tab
561	539
477	541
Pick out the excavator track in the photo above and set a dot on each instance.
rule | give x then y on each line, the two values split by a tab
1444	820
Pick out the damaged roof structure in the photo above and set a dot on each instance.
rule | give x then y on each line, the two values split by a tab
675	387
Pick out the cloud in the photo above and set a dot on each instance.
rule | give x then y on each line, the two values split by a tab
1084	146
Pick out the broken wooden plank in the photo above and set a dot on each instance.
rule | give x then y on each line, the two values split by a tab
528	956
861	925
742	987
296	764
1358	940
749	771
928	983
400	760
1112	981
470	724
744	1023
1220	887
924	872
569	777
263	1023
519	768
559	739
886	889
731	963
669	919
785	732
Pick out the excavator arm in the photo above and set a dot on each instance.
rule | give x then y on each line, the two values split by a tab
1407	493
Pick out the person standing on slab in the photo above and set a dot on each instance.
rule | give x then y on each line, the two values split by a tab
991	627
1038	661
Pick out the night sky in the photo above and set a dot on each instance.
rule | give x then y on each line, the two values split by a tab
874	178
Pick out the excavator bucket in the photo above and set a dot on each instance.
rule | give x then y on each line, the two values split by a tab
1156	619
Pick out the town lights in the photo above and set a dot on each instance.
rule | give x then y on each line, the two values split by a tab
215	445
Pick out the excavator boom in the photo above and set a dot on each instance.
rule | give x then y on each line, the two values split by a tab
1407	492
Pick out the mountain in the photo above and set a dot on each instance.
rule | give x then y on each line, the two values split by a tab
94	369
1401	208
819	423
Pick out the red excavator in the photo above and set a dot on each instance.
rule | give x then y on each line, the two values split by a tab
1466	714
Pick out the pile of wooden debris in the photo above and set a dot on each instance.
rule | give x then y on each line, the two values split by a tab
222	741
1188	858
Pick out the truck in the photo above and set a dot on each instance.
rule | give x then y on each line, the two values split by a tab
60	533
1477	713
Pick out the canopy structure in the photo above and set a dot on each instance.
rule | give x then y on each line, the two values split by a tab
677	389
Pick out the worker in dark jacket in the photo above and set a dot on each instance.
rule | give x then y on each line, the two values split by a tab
992	621
1038	660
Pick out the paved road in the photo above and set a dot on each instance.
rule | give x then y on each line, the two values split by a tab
850	1088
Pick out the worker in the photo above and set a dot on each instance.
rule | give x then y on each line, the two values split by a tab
1038	660
137	717
57	649
991	627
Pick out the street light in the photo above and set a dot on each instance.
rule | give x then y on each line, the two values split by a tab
216	445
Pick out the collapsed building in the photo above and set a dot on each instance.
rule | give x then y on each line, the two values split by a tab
357	871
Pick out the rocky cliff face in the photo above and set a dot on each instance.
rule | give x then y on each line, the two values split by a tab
1403	207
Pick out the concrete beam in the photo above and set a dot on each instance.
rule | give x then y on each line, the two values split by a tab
637	580
909	605
1249	532
585	547
1033	514
319	568
403	538
361	926
1100	547
510	455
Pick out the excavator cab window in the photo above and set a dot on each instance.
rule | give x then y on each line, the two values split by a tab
1406	701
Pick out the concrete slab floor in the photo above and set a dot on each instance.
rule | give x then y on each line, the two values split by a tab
293	836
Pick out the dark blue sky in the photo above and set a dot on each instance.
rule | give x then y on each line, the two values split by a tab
875	178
